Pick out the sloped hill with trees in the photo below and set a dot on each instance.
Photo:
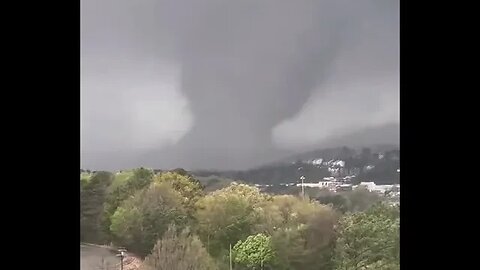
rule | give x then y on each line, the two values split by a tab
366	164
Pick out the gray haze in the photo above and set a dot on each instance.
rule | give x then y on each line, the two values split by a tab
233	84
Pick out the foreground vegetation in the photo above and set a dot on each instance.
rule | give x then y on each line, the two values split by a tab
171	221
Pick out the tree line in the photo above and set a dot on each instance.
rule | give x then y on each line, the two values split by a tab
172	222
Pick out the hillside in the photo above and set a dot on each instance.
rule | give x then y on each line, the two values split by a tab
378	164
337	152
213	182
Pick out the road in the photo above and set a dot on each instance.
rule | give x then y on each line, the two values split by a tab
91	258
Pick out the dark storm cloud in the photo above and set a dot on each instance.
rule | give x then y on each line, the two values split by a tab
235	74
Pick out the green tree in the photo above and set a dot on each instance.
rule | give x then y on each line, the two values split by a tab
289	246
369	240
285	211
361	199
255	251
187	186
228	215
319	234
179	251
84	179
338	202
144	217
125	184
303	234
92	197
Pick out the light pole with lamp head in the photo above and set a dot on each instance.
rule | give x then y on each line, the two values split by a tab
302	178
121	255
303	188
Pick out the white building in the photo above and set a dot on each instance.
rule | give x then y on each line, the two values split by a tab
368	185
317	161
328	184
339	163
344	187
381	189
309	184
331	185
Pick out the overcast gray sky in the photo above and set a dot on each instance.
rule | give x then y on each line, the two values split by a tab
231	84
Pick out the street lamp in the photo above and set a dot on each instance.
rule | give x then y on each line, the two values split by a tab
122	255
302	178
303	189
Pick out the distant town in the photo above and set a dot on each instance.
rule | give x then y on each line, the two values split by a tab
344	179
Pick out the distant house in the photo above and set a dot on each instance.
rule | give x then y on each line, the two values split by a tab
330	185
368	185
320	184
339	163
323	184
380	189
317	161
344	187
